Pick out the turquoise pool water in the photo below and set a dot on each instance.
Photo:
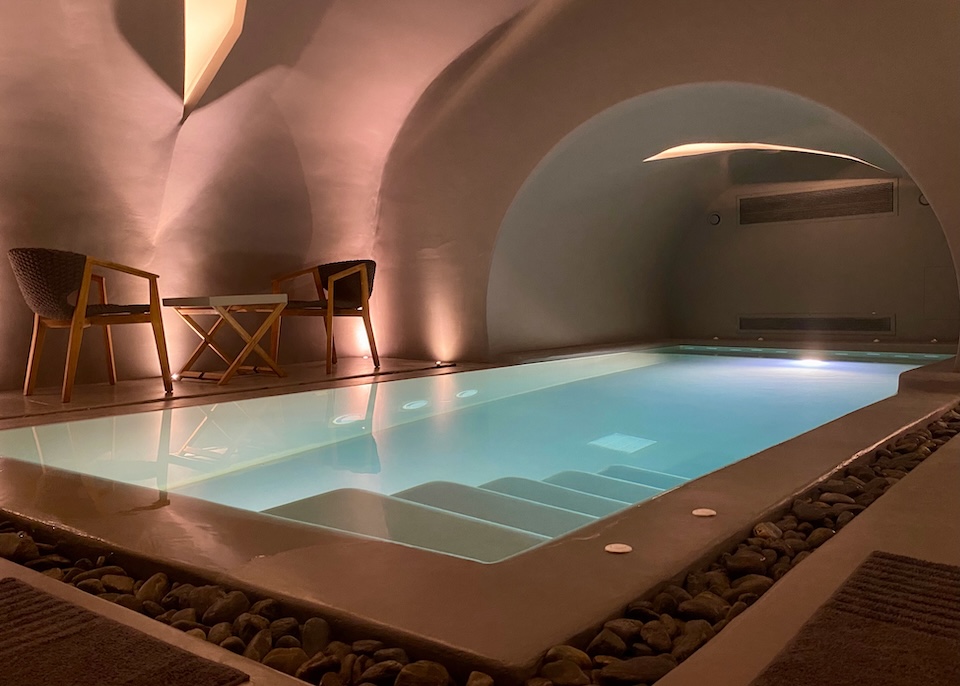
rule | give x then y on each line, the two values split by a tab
478	464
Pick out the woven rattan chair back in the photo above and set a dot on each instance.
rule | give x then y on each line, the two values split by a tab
47	278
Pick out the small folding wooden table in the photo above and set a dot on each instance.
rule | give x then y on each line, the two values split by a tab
224	307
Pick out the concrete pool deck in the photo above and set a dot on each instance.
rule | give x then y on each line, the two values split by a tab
499	617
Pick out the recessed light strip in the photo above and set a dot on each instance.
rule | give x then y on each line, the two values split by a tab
692	149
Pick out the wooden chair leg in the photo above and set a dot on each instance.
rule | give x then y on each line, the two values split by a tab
73	356
373	344
107	334
76	331
111	361
328	324
33	361
157	323
328	328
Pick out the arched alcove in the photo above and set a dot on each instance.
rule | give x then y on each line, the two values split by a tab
599	246
485	128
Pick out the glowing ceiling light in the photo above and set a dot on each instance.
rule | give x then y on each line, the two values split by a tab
693	149
210	30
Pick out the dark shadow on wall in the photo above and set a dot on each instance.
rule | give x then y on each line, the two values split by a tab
275	32
440	90
154	29
254	216
251	220
396	251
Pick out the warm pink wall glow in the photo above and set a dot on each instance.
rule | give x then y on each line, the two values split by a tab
277	167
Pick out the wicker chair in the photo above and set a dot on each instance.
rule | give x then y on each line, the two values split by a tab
47	279
347	285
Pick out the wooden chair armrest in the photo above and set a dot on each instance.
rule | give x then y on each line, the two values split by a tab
123	268
360	269
355	269
289	276
315	271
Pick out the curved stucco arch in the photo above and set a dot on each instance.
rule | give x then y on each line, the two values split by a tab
598	246
479	132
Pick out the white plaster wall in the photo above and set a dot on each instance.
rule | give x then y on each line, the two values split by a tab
586	251
895	264
484	126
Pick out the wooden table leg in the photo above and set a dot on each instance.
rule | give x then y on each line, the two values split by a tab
206	341
252	342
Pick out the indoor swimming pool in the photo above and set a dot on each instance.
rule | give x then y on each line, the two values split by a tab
480	464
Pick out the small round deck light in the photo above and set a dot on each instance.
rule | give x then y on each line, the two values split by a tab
618	548
469	393
704	512
414	405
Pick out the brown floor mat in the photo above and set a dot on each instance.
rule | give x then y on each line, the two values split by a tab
46	640
894	622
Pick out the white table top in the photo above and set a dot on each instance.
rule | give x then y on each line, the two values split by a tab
227	300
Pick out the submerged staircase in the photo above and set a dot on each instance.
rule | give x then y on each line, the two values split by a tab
486	523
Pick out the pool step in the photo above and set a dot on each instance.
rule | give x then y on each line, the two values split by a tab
496	507
393	519
604	486
557	496
643	476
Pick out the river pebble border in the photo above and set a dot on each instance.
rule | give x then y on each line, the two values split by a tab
654	635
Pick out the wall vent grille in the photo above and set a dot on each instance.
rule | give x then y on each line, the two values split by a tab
844	201
841	324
